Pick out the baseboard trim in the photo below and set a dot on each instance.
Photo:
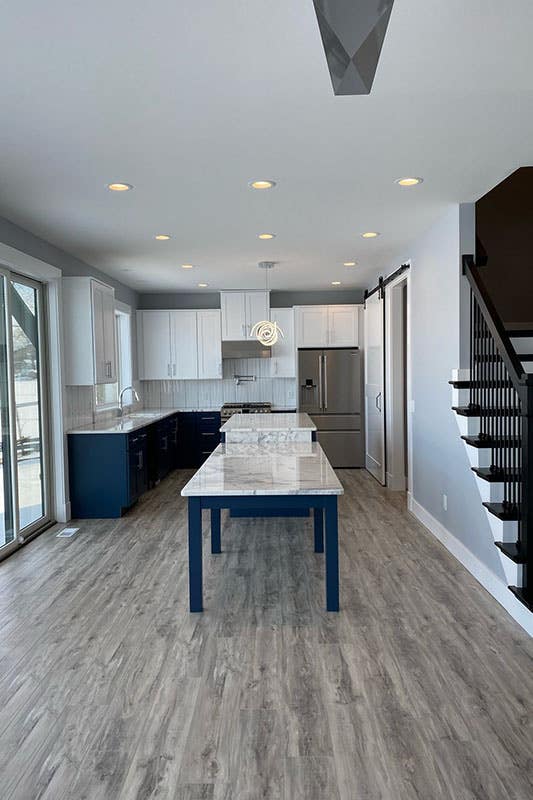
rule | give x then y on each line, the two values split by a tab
497	588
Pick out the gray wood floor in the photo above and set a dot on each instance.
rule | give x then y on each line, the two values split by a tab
109	689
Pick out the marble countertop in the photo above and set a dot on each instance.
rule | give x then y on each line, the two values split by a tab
287	468
269	422
135	420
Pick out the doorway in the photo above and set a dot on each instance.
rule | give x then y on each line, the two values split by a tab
24	446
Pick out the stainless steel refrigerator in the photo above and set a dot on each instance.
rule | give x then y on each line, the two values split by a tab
330	392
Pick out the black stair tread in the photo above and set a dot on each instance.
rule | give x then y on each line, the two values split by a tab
516	333
502	512
521	595
491	441
460	384
512	551
525	356
468	411
466	384
499	476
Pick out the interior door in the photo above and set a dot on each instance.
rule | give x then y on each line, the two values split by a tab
374	386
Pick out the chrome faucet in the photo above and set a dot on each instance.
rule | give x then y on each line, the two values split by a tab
135	396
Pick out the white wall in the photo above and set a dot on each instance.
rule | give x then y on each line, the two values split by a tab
440	465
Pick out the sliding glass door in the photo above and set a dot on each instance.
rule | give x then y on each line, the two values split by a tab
24	506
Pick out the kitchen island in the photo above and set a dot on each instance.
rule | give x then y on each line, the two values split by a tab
276	475
268	428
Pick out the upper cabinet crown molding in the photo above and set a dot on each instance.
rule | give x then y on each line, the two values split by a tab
240	311
327	326
89	332
179	345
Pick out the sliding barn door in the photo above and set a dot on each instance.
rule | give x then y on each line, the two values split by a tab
374	386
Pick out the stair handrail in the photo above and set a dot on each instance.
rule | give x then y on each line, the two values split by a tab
495	325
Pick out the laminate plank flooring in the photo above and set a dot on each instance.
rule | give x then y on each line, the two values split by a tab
421	687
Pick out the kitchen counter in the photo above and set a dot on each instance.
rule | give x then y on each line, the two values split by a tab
287	468
134	421
268	428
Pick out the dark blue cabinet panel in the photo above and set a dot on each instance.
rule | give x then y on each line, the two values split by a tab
198	435
109	472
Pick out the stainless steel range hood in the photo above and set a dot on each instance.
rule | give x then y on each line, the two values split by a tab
249	348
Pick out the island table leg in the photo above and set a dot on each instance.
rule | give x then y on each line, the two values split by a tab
332	555
216	546
319	529
195	555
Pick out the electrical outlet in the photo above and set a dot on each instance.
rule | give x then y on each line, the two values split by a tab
445	502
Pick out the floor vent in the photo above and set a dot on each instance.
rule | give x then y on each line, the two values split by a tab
66	533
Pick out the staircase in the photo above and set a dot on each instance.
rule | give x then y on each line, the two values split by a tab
493	401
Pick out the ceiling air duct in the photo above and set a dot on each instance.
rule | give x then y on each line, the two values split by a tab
353	32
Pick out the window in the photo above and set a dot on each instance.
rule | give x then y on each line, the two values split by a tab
107	394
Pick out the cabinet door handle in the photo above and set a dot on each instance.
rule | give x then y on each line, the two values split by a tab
165	445
174	369
141	460
378	401
325	382
243	329
169	371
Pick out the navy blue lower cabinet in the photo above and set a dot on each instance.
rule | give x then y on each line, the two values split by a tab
100	475
198	436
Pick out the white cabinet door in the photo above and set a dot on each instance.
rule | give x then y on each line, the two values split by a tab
257	308
184	345
283	361
312	326
100	365
209	344
110	345
233	307
153	332
343	326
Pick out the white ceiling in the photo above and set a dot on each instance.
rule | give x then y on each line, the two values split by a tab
189	101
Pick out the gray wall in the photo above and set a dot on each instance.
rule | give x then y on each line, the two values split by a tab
440	464
20	239
277	299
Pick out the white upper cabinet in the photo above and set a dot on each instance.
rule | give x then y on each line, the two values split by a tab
209	344
183	345
327	326
283	361
257	309
311	326
153	345
179	345
343	326
89	332
240	312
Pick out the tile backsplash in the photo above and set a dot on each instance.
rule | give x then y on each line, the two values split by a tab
80	406
213	393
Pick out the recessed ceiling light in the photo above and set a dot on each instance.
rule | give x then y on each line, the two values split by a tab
335	283
266	235
119	187
186	266
350	263
263	184
203	285
370	234
162	237
409	181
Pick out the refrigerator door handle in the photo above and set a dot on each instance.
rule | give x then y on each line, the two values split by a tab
320	382
378	402
325	382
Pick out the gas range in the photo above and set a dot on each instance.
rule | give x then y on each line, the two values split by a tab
228	409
